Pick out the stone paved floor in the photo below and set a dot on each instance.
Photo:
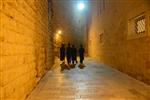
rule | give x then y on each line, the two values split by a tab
95	82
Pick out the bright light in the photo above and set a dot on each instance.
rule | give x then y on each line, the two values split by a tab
59	31
57	37
81	6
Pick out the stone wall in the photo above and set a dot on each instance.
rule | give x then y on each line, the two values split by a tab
108	36
25	45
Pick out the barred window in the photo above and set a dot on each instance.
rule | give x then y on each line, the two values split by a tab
137	26
140	24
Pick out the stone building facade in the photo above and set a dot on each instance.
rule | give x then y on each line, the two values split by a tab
119	35
26	46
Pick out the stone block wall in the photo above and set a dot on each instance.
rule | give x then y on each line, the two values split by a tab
108	37
26	47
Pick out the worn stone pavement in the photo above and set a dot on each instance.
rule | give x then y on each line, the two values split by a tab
95	82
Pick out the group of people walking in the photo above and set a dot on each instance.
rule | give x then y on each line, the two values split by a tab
70	52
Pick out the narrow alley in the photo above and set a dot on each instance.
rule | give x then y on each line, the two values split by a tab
40	40
95	82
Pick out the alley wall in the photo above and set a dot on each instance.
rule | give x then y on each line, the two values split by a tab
26	50
112	38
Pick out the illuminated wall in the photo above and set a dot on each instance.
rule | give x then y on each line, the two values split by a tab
112	39
25	45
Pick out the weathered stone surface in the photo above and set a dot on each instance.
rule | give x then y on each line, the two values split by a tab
113	47
95	82
26	51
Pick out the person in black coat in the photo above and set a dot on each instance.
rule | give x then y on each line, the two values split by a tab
74	54
81	53
62	52
68	53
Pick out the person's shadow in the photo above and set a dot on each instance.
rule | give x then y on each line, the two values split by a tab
72	66
64	66
81	66
68	67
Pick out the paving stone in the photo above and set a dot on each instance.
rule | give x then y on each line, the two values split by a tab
95	82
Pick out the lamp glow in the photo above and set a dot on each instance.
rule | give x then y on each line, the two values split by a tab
81	6
59	31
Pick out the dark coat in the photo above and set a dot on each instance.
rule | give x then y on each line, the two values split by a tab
81	53
74	53
68	52
62	53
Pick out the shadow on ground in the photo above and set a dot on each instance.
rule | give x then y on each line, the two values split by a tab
71	66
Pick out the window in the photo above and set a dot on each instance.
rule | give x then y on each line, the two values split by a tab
137	26
140	24
101	36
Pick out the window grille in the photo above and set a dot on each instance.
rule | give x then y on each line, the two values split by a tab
140	25
137	26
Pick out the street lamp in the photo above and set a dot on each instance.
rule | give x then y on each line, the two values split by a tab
81	6
59	32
